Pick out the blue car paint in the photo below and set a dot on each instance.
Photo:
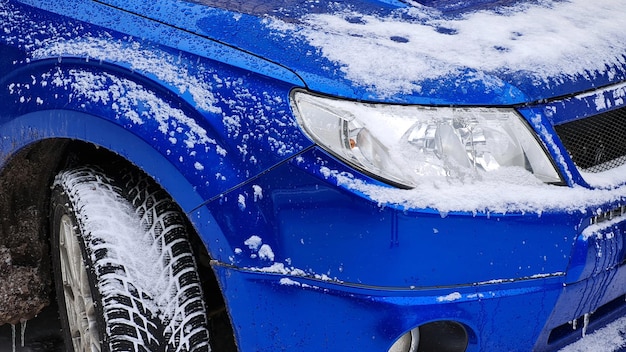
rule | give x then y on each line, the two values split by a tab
351	325
289	221
416	265
265	124
244	28
345	273
233	28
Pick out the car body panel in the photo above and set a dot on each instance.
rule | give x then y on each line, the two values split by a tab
396	312
160	80
199	98
311	226
280	34
328	240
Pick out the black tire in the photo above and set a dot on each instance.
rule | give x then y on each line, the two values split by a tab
140	270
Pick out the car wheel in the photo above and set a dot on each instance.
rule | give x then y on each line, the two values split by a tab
125	274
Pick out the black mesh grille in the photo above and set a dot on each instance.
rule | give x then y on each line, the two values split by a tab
596	143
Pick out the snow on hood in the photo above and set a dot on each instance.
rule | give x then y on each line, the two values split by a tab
477	52
534	47
480	52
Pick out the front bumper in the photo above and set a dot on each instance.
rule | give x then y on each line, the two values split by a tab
307	263
274	314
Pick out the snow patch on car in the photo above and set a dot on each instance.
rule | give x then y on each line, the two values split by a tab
256	116
263	251
609	98
254	242
602	231
280	268
258	248
132	101
285	281
541	39
163	66
241	202
454	296
605	179
258	192
508	190
266	253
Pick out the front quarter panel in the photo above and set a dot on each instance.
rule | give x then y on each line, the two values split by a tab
217	124
195	124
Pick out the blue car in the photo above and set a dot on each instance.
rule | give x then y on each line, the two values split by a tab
313	175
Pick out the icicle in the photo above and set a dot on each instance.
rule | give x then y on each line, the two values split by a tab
13	336
585	323
574	324
23	331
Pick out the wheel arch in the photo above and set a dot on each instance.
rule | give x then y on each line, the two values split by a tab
25	195
72	132
42	143
184	154
75	98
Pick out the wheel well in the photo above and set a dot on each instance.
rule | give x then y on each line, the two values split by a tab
24	200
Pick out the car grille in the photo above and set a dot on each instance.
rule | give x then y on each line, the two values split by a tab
605	314
596	143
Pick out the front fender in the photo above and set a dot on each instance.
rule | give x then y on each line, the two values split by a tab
197	125
248	129
73	101
219	124
195	155
40	125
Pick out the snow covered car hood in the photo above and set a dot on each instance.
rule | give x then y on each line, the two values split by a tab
481	52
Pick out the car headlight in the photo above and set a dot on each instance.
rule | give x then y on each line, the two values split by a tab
406	144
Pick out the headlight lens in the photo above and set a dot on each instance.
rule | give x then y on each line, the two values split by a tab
406	144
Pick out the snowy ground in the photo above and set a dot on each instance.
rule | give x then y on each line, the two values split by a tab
610	338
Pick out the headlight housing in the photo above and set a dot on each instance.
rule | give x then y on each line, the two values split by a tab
405	145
